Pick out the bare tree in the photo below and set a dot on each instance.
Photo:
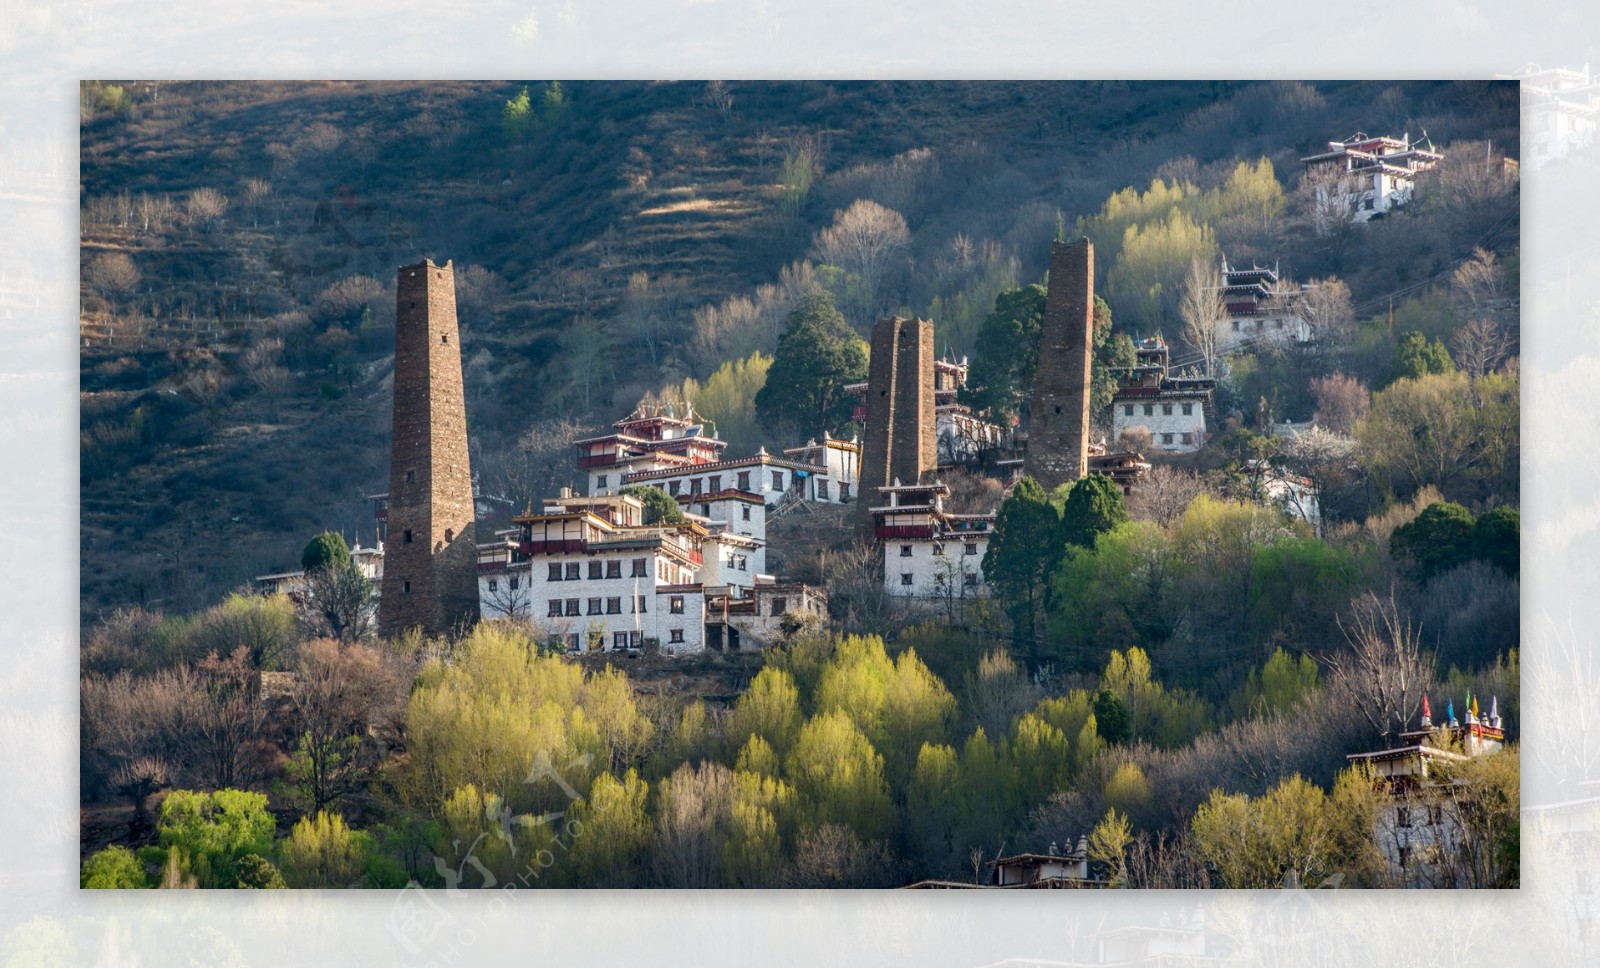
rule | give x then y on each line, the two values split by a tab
1325	201
997	692
1164	493
1383	675
341	691
1321	456
863	239
1324	305
205	207
1480	346
219	724
256	193
856	595
691	826
114	276
718	97
1202	311
510	597
536	466
1342	402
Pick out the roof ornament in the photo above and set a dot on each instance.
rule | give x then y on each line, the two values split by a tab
1450	713
1427	714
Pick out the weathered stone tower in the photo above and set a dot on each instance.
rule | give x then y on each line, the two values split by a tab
430	558
900	441
1058	434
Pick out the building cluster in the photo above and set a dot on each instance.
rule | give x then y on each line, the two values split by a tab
590	571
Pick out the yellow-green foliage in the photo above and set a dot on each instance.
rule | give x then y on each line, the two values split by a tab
770	708
609	832
321	852
757	757
1167	718
501	709
1073	715
897	703
760	824
1041	756
839	775
1257	842
1127	790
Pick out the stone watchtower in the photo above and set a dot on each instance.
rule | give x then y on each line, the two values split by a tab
1058	434
899	442
430	558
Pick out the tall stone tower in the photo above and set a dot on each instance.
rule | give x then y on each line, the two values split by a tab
1058	435
430	559
900	441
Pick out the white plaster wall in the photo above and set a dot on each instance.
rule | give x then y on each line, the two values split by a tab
1158	423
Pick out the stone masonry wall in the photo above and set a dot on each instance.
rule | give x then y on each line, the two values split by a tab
1058	435
900	440
430	557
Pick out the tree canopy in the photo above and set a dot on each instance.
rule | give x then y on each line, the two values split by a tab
817	355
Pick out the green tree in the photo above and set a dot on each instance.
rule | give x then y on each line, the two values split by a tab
931	819
728	397
1108	845
321	852
1497	539
817	355
1128	790
610	848
1111	718
212	831
263	625
516	117
1447	430
1436	541
897	703
760	823
1415	356
1280	683
1006	356
660	508
257	872
329	548
769	709
839	776
113	867
1023	551
1093	506
1262	842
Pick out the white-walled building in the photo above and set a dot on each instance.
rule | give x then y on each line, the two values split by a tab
293	584
590	576
1559	109
928	553
1171	408
773	479
841	459
1368	176
1420	823
652	438
1259	311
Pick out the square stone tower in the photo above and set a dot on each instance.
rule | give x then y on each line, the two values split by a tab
430	557
900	441
1058	432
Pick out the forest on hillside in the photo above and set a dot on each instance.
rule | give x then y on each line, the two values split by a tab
1175	677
